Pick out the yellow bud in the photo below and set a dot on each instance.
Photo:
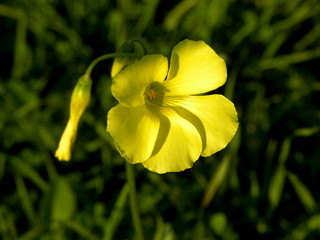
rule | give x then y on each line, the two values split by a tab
66	142
80	97
79	101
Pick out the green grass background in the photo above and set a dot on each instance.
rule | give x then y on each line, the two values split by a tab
264	185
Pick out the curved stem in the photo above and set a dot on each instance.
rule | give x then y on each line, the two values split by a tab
105	57
133	201
139	42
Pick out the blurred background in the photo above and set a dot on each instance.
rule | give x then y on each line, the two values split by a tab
264	185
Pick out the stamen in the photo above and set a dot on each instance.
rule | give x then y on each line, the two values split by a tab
154	93
150	93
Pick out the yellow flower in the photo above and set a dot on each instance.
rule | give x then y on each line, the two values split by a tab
79	101
164	119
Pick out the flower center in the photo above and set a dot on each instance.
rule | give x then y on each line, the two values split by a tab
153	93
150	93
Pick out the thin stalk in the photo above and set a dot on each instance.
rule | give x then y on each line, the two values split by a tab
105	57
133	202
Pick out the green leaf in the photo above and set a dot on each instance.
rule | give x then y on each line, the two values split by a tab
175	15
63	202
254	187
219	223
25	199
285	150
164	232
276	186
81	230
303	192
23	168
117	214
282	61
313	222
34	233
216	180
306	227
306	132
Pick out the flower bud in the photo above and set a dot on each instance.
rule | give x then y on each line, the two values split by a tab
79	101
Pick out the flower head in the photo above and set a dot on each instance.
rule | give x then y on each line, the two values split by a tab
161	120
79	101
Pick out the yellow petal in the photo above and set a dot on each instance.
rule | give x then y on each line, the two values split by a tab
214	116
178	147
194	68
134	130
119	63
63	153
129	85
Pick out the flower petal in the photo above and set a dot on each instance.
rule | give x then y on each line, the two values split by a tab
215	118
120	63
179	148
129	84
134	130
63	153
194	68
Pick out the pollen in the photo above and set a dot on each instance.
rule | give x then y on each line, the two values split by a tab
150	93
154	93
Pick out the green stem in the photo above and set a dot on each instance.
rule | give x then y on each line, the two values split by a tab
139	42
133	201
105	57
